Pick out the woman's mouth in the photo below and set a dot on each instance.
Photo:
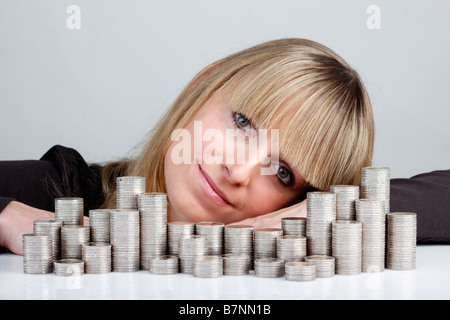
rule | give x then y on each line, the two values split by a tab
211	190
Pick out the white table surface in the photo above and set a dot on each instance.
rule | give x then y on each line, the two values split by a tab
430	280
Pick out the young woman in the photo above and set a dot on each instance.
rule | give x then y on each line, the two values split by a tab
298	91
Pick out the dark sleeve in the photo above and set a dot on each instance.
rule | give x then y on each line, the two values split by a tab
428	195
61	172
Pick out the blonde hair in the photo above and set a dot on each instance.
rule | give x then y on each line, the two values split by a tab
329	133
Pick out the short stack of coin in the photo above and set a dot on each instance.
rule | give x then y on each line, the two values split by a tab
166	264
191	247
153	224
345	201
68	267
99	223
321	209
177	230
96	257
265	242
208	266
294	226
69	210
300	271
37	253
291	248
128	189
235	264
72	238
238	239
53	228
401	241
325	265
213	232
371	214
269	268
347	246
124	235
376	184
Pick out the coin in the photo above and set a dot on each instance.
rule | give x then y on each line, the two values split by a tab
68	267
401	241
269	268
325	265
291	248
347	246
99	223
37	253
213	231
375	184
177	230
191	247
345	201
300	271
209	266
53	228
72	237
166	264
128	188
235	264
294	226
96	257
69	210
265	242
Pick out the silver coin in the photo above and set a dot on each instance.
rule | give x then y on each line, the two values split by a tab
347	246
53	228
213	231
208	266
300	271
294	226
265	242
291	248
191	247
166	264
269	268
68	267
69	210
127	190
401	241
325	265
375	184
97	257
345	201
175	231
99	223
235	264
72	238
37	253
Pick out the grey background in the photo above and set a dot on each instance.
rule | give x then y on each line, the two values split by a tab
101	88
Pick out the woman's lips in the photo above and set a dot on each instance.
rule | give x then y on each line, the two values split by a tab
211	191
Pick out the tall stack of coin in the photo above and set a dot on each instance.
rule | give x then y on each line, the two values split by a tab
239	240
53	228
265	242
37	253
177	230
166	264
72	237
68	267
401	241
321	208
300	271
376	184
345	201
190	248
124	235
294	226
291	248
96	257
269	268
213	232
127	190
153	221
347	246
69	210
325	265
371	214
235	264
99	223
208	266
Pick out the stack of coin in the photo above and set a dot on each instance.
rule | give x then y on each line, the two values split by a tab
124	237
208	267
213	232
127	190
325	265
269	268
321	208
300	271
37	253
291	248
53	228
371	214
72	237
191	247
153	222
401	241
345	201
265	242
238	239
96	257
68	267
99	223
376	184
69	210
177	230
166	264
236	264
347	246
294	226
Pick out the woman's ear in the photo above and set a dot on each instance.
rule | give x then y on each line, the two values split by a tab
202	75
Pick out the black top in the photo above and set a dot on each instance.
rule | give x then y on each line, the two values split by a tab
63	172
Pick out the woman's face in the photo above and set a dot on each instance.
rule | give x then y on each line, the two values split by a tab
208	180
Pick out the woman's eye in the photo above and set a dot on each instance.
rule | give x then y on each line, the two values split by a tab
242	122
284	175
